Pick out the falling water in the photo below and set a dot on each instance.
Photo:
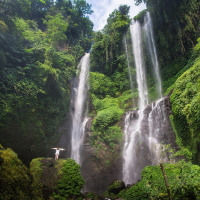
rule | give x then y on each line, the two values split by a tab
159	130
139	63
128	62
132	127
153	52
156	118
79	121
146	128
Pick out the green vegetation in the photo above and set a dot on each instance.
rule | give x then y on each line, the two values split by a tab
101	85
41	43
14	180
70	183
109	85
176	28
185	101
183	179
114	189
36	173
45	176
184	151
140	16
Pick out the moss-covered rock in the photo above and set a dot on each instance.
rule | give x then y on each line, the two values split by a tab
14	177
114	189
45	173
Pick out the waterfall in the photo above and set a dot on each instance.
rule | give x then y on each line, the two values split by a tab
78	119
139	64
145	128
152	49
157	119
128	62
132	127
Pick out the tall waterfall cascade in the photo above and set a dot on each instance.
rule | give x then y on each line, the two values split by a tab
145	128
78	119
152	49
128	62
132	127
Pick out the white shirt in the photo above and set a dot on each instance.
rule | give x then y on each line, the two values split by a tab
58	150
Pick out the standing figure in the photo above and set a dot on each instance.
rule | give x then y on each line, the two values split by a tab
57	152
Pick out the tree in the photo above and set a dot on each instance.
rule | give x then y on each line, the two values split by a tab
124	9
56	28
138	2
82	7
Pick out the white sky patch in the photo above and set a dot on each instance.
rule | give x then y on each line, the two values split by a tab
102	9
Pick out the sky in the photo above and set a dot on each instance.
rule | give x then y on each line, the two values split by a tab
102	9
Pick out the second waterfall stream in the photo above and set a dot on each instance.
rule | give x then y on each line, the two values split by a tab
144	128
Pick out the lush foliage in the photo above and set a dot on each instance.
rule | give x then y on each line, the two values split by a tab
109	85
183	179
14	176
41	42
176	29
36	173
140	16
101	85
108	112
70	183
107	51
186	105
178	26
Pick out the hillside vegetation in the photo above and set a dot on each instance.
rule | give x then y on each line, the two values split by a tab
41	43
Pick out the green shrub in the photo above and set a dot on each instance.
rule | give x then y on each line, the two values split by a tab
128	99
111	137
183	178
36	172
106	118
185	101
70	183
105	103
14	177
140	16
101	85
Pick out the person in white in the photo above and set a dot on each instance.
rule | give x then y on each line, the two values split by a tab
57	152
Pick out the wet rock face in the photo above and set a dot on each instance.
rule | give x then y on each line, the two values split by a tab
159	115
116	187
99	176
146	138
134	115
49	177
96	174
45	177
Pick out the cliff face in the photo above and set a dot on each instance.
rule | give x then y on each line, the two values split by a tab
98	175
99	167
176	30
